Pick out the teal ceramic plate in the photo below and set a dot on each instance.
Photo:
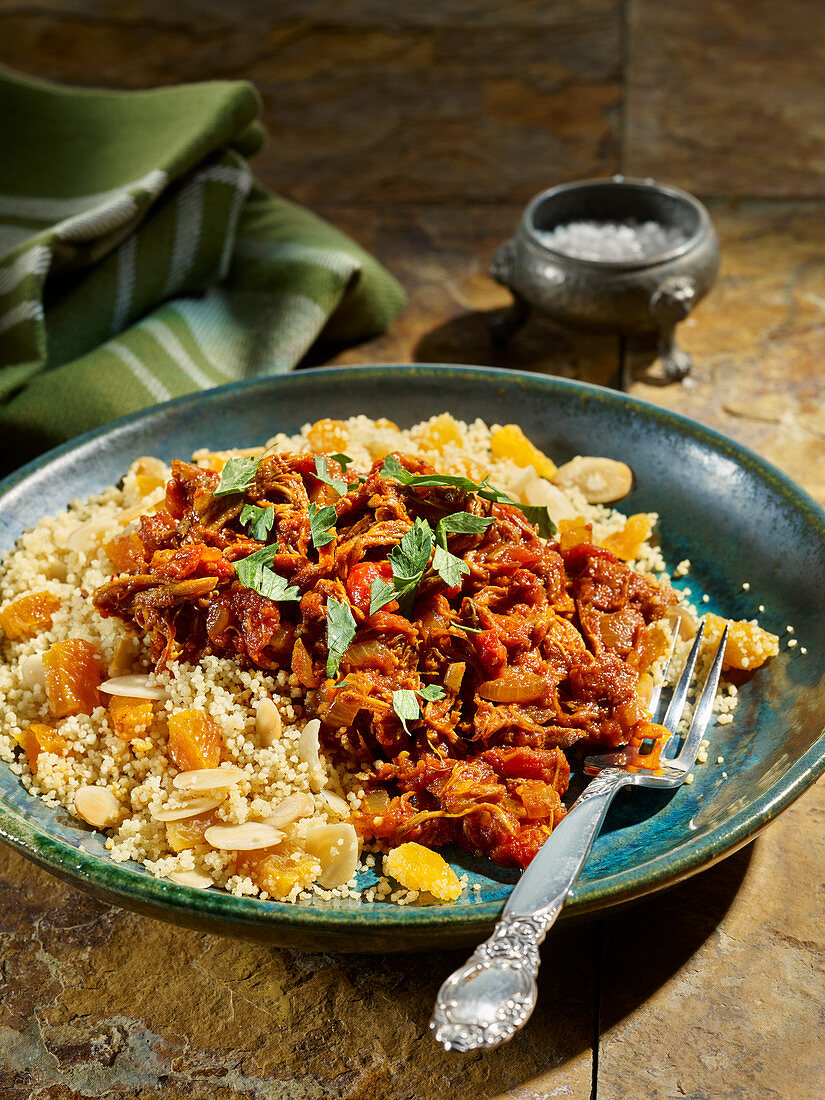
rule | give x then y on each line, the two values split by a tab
735	517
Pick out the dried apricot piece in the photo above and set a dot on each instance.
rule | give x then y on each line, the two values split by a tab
126	553
194	740
39	738
440	432
130	717
72	671
748	645
188	833
278	873
418	868
328	436
510	442
627	543
572	532
28	615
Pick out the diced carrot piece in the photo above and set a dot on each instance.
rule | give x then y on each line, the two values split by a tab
41	738
627	543
194	740
72	677
28	615
572	532
276	872
328	436
748	645
188	833
442	431
511	442
130	717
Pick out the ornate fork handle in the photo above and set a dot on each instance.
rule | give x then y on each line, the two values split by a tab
486	1001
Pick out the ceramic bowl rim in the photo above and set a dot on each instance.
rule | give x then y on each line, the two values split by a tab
125	886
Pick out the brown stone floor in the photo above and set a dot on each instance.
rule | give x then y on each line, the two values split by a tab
422	129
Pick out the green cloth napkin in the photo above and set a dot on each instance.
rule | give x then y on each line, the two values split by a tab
139	260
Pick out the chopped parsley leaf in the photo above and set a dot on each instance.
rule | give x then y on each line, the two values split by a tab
254	572
258	521
321	524
341	628
323	474
237	476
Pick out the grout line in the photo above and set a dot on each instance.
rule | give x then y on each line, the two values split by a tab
598	956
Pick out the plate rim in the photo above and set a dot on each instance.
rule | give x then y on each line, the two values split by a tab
134	889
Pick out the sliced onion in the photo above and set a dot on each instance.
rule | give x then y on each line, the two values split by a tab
454	675
135	686
343	710
207	779
375	802
188	809
515	685
242	838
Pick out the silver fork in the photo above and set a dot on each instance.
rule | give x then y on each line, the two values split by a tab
485	1002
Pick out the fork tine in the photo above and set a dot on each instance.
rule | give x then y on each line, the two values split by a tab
656	693
703	709
680	692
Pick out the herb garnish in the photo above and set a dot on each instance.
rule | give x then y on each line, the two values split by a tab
405	704
381	593
536	514
340	632
323	474
343	461
449	567
257	520
237	476
321	524
254	572
409	560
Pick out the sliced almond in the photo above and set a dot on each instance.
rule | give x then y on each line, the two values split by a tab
268	722
292	808
336	803
191	878
242	838
32	672
684	622
599	480
87	537
137	510
309	752
135	686
187	809
336	849
97	806
208	779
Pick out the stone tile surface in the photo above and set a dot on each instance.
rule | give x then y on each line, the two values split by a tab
422	129
725	98
97	1001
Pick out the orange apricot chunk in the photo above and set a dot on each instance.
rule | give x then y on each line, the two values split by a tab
748	645
194	740
627	543
574	531
511	442
328	436
131	717
28	615
418	868
278	873
440	432
39	738
188	832
72	672
126	553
